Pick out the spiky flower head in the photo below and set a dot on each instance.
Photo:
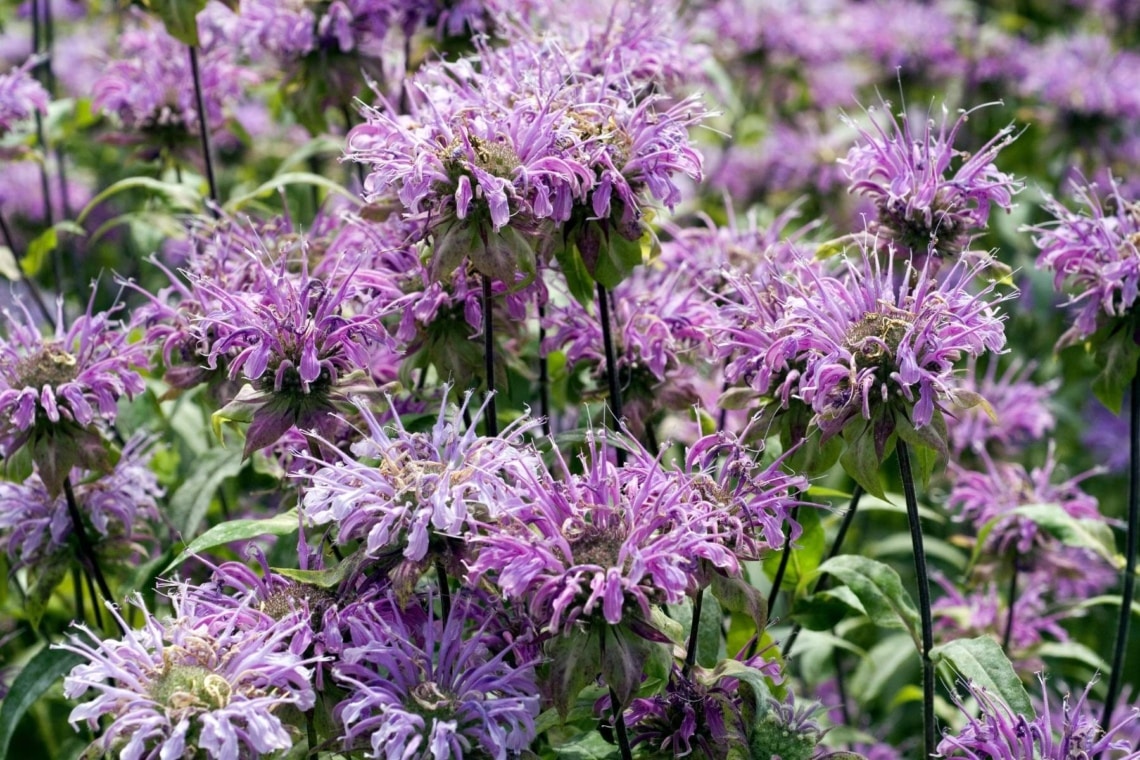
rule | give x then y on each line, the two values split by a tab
877	346
787	731
212	685
1000	733
602	544
55	390
419	689
1014	414
932	198
298	341
404	489
1094	253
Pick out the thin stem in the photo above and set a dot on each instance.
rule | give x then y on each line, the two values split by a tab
617	710
86	548
1131	538
841	686
782	568
33	288
311	733
444	590
204	129
928	727
611	363
836	545
77	582
491	420
694	632
1011	597
543	371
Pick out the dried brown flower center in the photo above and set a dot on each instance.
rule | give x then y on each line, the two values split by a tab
51	366
593	545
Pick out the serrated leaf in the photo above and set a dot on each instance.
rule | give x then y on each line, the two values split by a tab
578	279
755	680
191	502
879	589
573	660
619	257
237	530
861	461
982	661
43	670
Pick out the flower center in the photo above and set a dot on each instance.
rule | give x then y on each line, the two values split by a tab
285	600
875	339
430	697
185	686
593	545
51	365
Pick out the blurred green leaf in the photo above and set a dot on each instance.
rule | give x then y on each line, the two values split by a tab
41	672
179	16
191	502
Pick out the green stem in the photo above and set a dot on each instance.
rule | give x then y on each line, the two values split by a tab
1131	537
923	580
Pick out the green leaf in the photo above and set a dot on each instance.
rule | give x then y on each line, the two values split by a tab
43	670
1117	354
738	595
883	663
284	180
822	611
578	279
620	256
329	578
180	17
753	678
929	450
879	589
39	250
710	634
573	660
179	196
628	657
1074	651
47	579
982	661
589	746
1082	533
237	530
737	398
860	460
191	502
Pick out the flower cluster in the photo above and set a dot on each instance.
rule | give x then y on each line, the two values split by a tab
20	96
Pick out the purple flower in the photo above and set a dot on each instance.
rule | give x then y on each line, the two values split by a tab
1094	253
932	198
999	733
1083	75
20	96
420	690
149	87
1018	412
296	340
875	344
213	684
35	526
407	489
75	379
606	543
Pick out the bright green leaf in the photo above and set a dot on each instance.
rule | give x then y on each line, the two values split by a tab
981	661
878	588
237	530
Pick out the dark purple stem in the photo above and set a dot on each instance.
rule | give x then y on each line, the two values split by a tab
86	548
492	416
1131	537
611	363
204	129
923	580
